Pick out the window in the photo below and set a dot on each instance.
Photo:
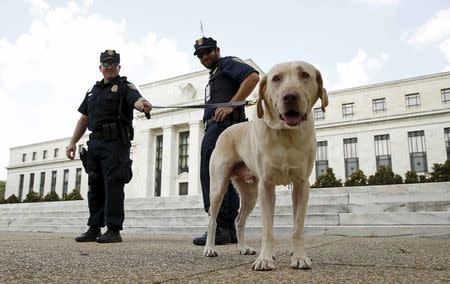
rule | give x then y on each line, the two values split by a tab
30	189
319	114
183	155
417	152
44	154
53	185
24	157
321	158
445	95
21	178
65	182
351	156
379	105
56	153
183	188
447	141
78	179
33	157
158	164
42	184
383	151
412	100
347	110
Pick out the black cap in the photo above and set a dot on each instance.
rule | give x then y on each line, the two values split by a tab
204	42
110	55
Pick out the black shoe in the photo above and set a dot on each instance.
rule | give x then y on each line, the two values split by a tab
90	235
222	237
110	236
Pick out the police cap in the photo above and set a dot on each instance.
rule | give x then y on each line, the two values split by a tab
110	55
204	42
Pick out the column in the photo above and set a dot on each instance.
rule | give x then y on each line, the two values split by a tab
195	137
147	163
168	162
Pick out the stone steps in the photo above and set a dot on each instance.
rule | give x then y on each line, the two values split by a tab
407	210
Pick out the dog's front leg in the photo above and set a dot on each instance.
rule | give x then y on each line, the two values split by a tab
265	260
300	196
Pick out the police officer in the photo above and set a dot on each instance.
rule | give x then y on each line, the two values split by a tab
230	80
107	111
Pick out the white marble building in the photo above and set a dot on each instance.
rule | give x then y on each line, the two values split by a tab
404	124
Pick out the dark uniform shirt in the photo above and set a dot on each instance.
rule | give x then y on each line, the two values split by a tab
101	103
224	81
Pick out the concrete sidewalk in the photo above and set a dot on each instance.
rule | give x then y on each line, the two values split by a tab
57	258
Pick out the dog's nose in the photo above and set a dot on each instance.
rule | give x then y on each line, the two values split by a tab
289	98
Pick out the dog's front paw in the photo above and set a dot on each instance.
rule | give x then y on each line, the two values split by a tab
262	264
209	251
245	250
301	262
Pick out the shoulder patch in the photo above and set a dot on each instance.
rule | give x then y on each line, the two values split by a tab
132	86
89	91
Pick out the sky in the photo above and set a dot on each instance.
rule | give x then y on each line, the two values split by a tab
49	49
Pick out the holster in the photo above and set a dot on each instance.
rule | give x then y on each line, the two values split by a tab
83	158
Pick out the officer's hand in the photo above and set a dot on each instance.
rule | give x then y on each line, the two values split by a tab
70	151
147	106
222	112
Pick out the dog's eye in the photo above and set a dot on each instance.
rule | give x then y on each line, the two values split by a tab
276	78
304	75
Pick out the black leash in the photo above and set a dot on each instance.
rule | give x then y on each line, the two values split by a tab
215	105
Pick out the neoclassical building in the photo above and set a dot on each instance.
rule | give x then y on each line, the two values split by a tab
403	124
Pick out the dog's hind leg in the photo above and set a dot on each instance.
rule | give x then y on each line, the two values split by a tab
220	178
300	196
248	194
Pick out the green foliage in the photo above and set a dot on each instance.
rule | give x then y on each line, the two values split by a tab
52	196
32	197
2	192
13	199
357	178
74	195
327	180
440	172
384	175
411	177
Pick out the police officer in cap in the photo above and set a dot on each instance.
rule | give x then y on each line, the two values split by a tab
107	111
231	80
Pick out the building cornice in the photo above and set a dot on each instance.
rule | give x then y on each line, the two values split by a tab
41	163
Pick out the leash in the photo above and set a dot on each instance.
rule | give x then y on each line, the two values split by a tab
204	106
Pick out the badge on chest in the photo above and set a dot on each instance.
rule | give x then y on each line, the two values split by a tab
114	88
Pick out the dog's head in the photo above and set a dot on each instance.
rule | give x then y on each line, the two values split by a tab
288	92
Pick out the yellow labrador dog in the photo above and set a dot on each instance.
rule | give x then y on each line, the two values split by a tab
278	148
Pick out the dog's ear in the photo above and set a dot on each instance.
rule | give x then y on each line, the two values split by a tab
262	90
321	92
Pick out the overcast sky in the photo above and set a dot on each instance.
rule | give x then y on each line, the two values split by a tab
49	50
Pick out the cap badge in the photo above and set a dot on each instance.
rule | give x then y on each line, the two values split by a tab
199	42
114	88
110	52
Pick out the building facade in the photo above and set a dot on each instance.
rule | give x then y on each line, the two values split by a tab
403	124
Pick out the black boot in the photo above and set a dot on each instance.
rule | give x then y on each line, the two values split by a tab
110	236
222	237
90	235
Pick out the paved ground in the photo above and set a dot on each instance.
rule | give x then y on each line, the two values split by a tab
57	258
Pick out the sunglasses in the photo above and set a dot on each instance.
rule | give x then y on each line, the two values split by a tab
203	52
110	64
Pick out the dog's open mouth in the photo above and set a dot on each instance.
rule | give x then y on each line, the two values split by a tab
292	117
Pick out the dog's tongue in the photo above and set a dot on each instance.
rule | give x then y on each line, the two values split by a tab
293	118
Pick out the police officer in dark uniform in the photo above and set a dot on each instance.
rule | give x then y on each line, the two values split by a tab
231	80
107	111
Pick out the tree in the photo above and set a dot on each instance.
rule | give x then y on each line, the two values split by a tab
74	195
52	196
357	178
327	180
440	172
13	199
411	177
32	197
384	175
2	192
